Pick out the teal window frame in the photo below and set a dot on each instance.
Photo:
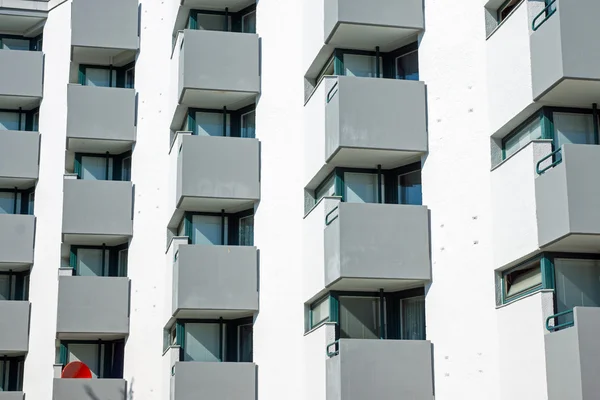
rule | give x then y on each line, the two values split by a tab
232	21
390	182
234	116
113	368
26	118
387	68
117	169
21	284
233	220
503	6
228	337
389	314
113	258
27	200
35	43
121	73
11	378
546	117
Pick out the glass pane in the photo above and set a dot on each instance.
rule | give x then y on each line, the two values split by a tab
123	262
211	22
523	279
15	44
358	65
320	312
5	287
520	139
89	262
202	342
4	378
99	77
7	203
573	128
94	168
409	188
36	122
246	231
87	354
9	121
129	78
211	124
245	343
206	229
413	318
359	317
577	283
361	188
248	125
31	203
126	169
249	22
407	66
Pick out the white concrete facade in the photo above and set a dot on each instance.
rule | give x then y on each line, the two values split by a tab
482	210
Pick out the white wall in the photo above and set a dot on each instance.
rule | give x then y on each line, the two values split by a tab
314	132
150	170
514	205
460	302
312	13
43	289
279	326
522	356
315	356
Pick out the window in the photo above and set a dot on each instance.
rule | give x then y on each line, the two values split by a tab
505	9
360	317
362	65
212	124
12	121
413	318
522	280
214	340
362	187
407	66
527	132
219	229
319	312
212	22
249	22
103	167
99	260
14	285
409	188
107	76
573	128
103	358
11	374
16	201
577	283
249	125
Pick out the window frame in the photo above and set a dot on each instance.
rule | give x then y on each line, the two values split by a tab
232	22
34	42
23	200
231	226
502	7
106	359
13	375
234	116
21	284
120	74
29	116
117	164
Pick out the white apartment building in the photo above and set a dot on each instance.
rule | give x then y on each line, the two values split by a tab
299	199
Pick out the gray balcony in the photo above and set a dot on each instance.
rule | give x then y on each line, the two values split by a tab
96	212
92	389
573	358
19	158
224	284
216	173
215	380
359	25
374	121
14	325
373	246
91	131
397	369
216	70
567	198
92	307
562	74
21	81
93	43
12	395
16	241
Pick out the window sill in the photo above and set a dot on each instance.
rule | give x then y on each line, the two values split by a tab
525	296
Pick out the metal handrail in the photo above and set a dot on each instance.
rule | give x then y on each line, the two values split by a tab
551	165
559	326
336	351
546	11
329	94
329	221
